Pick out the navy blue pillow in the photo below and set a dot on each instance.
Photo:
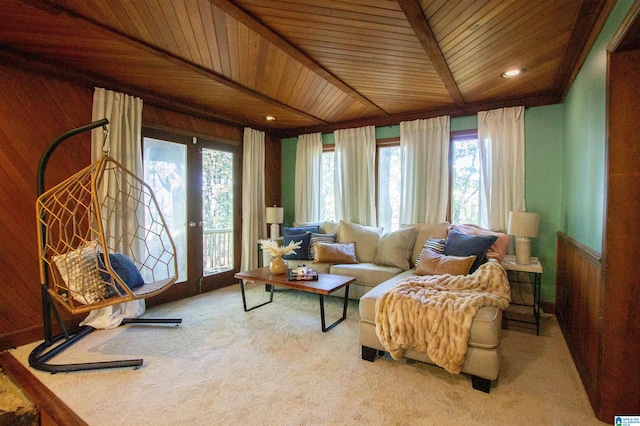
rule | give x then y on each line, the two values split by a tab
301	230
459	244
302	253
124	267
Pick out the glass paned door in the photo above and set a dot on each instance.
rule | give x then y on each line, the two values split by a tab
195	183
165	170
217	211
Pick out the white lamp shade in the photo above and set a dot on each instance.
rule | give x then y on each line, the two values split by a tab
275	215
523	224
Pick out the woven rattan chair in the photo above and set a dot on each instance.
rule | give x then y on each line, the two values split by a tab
103	241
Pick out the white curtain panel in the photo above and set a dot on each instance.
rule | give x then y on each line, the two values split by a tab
124	140
424	148
254	226
354	158
308	178
124	113
501	150
124	143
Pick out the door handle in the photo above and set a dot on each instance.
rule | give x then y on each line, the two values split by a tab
192	224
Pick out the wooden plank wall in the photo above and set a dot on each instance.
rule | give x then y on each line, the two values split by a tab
34	110
579	292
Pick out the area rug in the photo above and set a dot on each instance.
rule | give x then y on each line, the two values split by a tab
274	366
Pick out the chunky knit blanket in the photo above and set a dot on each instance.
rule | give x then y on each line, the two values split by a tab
433	313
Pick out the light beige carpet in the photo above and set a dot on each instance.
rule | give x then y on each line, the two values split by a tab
274	366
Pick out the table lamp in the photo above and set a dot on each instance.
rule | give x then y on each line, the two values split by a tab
523	225
275	216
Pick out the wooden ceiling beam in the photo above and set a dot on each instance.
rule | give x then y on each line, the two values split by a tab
589	22
160	53
420	25
33	64
254	24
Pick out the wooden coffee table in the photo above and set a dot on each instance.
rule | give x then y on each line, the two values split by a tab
326	284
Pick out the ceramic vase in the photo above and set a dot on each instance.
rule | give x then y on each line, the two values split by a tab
278	265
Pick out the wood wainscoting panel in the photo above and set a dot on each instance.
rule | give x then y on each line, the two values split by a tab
619	362
579	289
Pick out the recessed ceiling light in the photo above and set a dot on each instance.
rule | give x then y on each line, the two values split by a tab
513	73
269	118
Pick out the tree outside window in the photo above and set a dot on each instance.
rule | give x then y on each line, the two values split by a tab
465	181
389	181
328	197
217	179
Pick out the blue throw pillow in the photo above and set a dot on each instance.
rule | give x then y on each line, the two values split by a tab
459	244
301	230
302	253
124	267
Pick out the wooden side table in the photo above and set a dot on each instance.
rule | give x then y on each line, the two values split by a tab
534	271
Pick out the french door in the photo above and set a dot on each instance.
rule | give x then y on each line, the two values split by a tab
196	184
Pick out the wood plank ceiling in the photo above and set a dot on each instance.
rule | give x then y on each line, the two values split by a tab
313	65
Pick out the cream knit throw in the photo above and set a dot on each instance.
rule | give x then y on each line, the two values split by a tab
433	313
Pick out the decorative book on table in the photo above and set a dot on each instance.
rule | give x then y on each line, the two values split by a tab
308	275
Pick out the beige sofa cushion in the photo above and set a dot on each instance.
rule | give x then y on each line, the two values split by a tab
366	274
330	227
395	248
365	237
424	232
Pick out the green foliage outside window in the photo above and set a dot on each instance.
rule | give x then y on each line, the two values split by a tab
328	198
465	182
217	185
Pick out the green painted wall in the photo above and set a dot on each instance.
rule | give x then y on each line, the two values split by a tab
464	123
584	141
543	186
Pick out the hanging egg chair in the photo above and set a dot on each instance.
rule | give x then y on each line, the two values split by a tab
104	246
103	241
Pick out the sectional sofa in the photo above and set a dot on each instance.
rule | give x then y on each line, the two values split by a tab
381	261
